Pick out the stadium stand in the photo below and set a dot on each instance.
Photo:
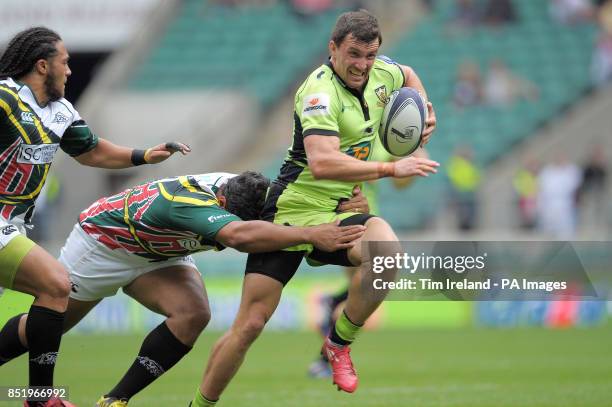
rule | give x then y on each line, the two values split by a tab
265	51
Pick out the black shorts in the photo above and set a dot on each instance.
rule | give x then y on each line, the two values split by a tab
282	265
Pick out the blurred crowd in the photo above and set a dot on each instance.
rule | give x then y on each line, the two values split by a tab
558	199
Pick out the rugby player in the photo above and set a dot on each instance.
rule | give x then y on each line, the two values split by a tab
142	239
338	109
36	120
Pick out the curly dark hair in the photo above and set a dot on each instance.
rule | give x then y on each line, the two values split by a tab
245	195
25	49
362	24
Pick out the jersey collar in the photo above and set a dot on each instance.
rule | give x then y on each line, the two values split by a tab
357	93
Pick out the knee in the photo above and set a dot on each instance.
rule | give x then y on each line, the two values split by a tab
57	287
196	319
250	329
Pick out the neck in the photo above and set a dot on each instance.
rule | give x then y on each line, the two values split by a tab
37	87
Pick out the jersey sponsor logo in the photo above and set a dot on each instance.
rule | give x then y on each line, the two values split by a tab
213	219
316	105
60	118
27	117
36	153
381	94
360	151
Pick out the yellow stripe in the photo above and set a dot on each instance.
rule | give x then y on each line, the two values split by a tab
184	199
126	219
44	136
38	188
11	117
184	182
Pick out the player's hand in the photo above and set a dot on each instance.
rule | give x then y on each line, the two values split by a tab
431	124
330	237
161	152
358	203
409	166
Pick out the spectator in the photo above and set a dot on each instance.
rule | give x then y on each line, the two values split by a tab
464	177
465	15
468	88
525	183
503	87
570	12
499	12
558	185
593	190
601	63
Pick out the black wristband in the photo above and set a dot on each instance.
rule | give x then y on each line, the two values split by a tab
138	157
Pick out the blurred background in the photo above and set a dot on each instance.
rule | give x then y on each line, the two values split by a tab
522	95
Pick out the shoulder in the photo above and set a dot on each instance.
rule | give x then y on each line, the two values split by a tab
186	190
9	91
319	80
64	112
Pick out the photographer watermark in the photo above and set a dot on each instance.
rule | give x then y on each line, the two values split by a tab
487	270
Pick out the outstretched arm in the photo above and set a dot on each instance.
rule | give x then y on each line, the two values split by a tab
260	236
112	156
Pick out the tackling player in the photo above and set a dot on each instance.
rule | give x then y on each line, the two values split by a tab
142	239
337	114
36	121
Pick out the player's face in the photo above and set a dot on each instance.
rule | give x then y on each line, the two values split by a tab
58	73
353	60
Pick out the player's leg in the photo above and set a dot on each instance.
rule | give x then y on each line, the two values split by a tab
267	273
28	268
178	293
360	303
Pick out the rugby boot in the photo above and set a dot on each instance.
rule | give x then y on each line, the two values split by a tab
343	372
106	401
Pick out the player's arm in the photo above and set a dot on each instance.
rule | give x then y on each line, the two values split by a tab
412	80
260	236
113	156
326	161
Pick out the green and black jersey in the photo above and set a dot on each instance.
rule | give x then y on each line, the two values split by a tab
29	138
325	106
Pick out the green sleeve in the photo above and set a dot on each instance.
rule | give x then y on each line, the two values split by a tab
395	71
78	139
203	220
318	107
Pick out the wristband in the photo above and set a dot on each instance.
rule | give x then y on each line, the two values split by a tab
386	170
138	157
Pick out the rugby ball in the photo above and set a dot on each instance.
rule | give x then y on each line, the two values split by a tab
403	122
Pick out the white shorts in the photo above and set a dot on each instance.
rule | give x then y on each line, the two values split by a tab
97	271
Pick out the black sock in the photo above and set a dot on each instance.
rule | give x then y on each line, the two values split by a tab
44	334
159	352
10	345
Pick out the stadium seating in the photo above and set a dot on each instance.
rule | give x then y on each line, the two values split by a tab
262	50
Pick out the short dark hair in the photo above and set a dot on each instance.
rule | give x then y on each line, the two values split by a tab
245	195
362	24
25	49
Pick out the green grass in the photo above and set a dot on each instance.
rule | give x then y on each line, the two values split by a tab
467	367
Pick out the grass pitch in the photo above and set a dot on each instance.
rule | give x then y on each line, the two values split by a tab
466	367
